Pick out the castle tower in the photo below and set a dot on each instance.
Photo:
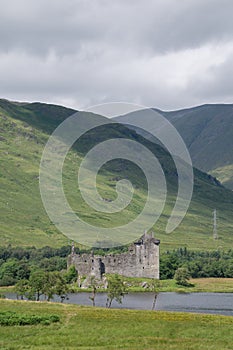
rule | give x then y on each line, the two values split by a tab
147	256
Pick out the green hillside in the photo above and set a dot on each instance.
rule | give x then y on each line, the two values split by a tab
23	219
24	129
208	133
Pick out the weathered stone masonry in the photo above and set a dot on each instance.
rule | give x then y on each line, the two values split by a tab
141	260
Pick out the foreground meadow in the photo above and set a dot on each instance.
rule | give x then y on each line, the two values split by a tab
96	328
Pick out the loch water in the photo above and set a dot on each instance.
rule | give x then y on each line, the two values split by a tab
210	303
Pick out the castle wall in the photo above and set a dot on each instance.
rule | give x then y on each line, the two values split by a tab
141	260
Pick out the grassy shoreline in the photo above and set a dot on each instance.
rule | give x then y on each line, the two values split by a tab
198	285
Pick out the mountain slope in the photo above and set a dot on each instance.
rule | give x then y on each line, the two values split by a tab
208	133
24	129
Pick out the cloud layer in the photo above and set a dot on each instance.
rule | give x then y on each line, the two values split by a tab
162	53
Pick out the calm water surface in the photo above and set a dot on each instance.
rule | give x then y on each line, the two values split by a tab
211	303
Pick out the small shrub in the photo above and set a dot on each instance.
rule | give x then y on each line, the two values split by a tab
182	276
10	318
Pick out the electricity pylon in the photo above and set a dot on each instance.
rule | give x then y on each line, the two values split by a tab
215	231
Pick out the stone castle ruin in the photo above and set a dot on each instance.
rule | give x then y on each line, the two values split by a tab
141	260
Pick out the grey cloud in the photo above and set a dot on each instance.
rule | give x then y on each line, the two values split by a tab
217	83
154	26
83	52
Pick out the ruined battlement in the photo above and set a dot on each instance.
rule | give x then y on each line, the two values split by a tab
141	260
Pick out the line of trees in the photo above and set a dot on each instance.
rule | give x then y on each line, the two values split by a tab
19	263
43	283
198	263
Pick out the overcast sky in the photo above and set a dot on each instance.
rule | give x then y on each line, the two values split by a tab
167	54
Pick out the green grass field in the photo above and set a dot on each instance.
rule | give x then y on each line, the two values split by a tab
96	328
